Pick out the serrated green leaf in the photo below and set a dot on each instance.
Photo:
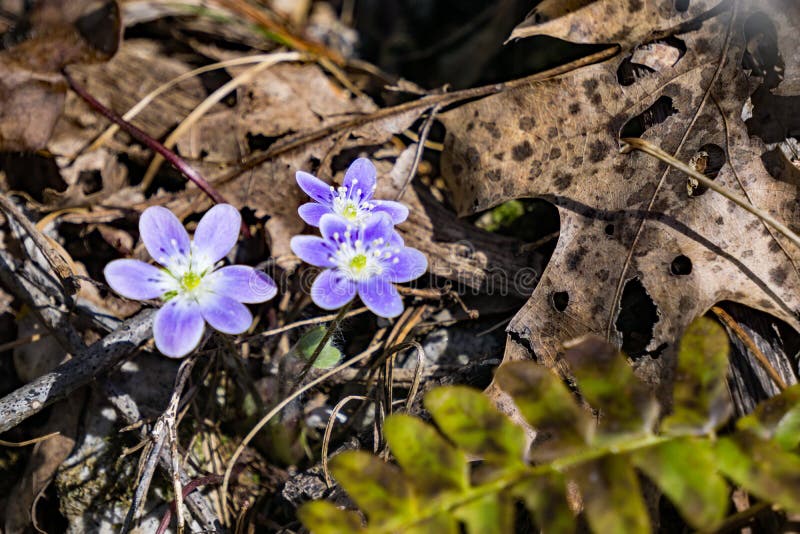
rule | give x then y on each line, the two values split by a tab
469	419
685	471
778	417
545	498
308	343
561	425
611	496
491	513
761	467
607	382
430	462
322	517
700	399
379	489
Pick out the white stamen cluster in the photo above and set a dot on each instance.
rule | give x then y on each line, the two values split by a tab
188	270
347	203
361	261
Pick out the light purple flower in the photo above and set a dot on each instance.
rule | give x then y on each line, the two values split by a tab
352	201
194	290
363	260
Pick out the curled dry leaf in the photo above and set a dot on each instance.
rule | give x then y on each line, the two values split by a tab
633	243
56	34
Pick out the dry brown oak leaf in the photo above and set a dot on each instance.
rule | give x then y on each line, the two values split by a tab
628	224
51	36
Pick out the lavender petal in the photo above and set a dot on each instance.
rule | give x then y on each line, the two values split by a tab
397	211
331	226
311	212
216	234
360	176
410	265
332	290
314	187
378	227
381	297
165	238
138	280
312	250
241	283
178	327
225	313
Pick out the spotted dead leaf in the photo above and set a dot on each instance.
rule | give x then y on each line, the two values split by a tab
53	35
634	244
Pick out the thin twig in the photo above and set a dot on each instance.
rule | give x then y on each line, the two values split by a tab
175	160
444	99
22	341
304	322
326	439
653	150
423	137
161	430
155	93
59	265
731	323
280	406
187	489
27	442
210	101
79	371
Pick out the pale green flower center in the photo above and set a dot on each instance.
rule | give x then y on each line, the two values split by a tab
190	281
358	262
350	212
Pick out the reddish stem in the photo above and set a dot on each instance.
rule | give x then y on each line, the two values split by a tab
175	160
187	489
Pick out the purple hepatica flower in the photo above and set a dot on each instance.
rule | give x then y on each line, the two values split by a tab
194	290
352	201
363	260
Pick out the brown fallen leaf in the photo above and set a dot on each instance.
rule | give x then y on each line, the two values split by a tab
634	245
31	87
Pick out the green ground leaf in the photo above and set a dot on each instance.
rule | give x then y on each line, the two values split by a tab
700	395
545	498
778	418
378	488
308	343
431	463
545	402
761	467
322	517
607	382
491	513
469	419
685	471
611	496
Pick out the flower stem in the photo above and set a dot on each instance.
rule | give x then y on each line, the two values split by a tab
175	160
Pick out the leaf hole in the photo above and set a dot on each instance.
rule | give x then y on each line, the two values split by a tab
651	57
708	160
629	72
762	56
609	230
259	142
560	300
681	265
682	5
655	114
638	314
